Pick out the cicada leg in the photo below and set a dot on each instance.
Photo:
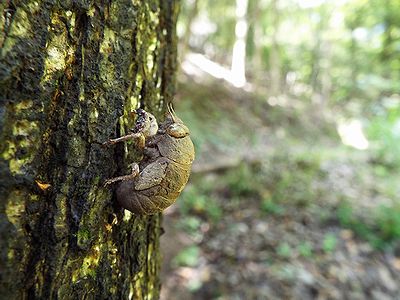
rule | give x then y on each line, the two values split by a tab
135	172
138	138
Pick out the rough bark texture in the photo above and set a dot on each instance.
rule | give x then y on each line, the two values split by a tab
70	72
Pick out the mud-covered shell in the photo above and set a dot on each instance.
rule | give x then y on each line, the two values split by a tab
161	179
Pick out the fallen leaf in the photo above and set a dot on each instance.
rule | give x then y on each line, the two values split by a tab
43	186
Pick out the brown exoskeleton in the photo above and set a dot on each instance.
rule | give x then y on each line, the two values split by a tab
159	178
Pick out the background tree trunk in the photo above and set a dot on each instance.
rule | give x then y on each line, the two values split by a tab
70	72
274	57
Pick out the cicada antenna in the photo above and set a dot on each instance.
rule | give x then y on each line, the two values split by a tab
172	112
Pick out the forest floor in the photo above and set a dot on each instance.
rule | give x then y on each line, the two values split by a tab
277	207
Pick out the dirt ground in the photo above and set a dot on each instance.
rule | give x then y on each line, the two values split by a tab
244	257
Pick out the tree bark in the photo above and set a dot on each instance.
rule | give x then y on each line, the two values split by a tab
70	73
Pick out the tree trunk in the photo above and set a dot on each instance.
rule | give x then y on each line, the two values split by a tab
274	57
70	72
184	42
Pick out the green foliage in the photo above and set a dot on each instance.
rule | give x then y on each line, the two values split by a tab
242	181
188	257
329	243
290	179
305	249
198	200
284	250
269	206
388	221
345	213
384	132
381	231
189	224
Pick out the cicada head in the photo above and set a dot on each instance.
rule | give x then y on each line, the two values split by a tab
175	126
145	123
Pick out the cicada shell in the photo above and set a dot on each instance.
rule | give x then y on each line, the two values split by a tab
163	172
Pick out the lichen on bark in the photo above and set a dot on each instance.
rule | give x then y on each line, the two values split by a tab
70	72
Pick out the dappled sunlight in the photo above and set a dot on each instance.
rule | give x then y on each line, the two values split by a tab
196	63
351	134
238	69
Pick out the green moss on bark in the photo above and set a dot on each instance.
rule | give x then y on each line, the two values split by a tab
69	75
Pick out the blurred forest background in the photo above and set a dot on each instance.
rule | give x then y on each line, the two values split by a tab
294	109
